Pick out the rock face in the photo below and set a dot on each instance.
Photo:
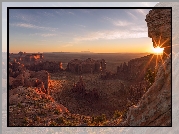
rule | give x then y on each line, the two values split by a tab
38	79
33	62
87	66
33	57
154	109
49	66
136	68
159	28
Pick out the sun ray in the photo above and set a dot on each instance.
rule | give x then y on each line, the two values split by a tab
159	40
165	53
145	66
164	42
166	46
156	61
162	62
154	40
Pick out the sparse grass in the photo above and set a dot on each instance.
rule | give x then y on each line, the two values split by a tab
117	114
56	111
98	120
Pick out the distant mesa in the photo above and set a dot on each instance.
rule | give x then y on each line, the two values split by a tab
86	52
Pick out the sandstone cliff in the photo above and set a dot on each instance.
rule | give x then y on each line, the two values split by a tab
154	109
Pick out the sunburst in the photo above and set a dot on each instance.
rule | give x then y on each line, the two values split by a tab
158	50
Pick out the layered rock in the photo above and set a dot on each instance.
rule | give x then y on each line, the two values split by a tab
154	109
159	28
87	66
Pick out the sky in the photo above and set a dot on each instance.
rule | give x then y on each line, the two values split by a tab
76	30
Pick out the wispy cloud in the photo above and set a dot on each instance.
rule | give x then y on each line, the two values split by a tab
110	35
68	44
31	26
81	26
132	15
117	22
141	11
71	13
43	35
48	14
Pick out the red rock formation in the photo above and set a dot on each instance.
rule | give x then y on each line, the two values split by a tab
87	66
159	28
154	109
33	57
49	66
31	79
136	68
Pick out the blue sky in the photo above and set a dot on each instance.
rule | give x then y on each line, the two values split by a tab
76	30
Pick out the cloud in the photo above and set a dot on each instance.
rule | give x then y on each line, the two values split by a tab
141	11
68	45
81	26
110	35
118	22
71	13
31	26
43	35
133	16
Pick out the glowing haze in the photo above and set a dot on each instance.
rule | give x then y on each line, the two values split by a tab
76	30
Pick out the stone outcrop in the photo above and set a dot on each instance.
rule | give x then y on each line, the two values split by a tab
49	66
38	79
159	28
154	108
31	57
87	66
32	62
16	68
136	69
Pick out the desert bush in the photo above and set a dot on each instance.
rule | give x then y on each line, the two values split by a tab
60	120
117	114
98	119
150	76
56	111
53	123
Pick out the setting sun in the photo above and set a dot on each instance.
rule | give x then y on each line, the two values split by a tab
158	50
